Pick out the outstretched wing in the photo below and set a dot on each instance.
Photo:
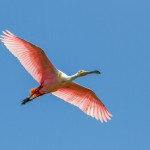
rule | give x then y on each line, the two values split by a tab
85	99
31	57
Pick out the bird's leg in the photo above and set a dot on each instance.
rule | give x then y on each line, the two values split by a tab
28	99
25	100
31	97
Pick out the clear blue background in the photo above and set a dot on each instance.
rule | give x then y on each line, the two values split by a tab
112	36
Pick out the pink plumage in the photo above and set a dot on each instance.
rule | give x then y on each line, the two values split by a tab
52	80
85	99
30	56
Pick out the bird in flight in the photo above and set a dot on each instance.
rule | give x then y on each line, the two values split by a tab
52	80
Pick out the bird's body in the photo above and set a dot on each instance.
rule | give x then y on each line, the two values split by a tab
52	80
53	83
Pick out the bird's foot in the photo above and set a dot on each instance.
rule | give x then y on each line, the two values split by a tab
26	100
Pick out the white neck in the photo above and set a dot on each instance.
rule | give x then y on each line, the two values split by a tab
76	75
73	77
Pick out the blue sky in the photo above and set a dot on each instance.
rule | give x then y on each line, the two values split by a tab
111	36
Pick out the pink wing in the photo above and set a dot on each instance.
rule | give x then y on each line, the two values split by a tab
85	99
31	57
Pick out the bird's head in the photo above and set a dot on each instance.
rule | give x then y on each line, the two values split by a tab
83	72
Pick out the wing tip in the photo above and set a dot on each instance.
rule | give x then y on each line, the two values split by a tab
104	115
6	33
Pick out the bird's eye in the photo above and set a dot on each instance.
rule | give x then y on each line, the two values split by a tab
81	71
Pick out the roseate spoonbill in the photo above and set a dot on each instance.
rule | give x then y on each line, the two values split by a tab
52	80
